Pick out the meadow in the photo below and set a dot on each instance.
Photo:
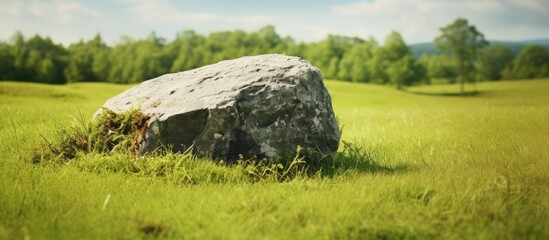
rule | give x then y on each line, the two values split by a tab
449	167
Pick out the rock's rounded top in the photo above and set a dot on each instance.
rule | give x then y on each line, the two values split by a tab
210	86
259	105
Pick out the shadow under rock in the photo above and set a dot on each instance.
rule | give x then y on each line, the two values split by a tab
450	94
353	158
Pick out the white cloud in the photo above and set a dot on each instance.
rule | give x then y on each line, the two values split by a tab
484	6
412	7
162	12
535	5
64	21
419	20
379	18
58	11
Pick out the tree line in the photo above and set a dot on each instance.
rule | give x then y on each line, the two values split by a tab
493	62
344	58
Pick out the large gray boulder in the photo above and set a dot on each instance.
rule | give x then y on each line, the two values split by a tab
255	106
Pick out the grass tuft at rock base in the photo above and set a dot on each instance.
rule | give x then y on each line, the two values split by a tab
109	133
110	143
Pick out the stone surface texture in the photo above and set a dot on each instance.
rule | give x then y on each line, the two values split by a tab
254	106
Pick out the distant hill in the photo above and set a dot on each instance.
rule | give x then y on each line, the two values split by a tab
419	49
536	41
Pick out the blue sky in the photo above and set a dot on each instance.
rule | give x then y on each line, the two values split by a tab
68	21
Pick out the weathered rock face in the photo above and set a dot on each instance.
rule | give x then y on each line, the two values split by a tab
261	105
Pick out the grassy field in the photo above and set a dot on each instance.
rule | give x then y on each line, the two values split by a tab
473	167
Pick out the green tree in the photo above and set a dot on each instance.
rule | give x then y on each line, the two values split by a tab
327	53
134	61
401	69
439	67
101	64
269	40
492	61
405	72
188	51
88	61
377	66
20	53
80	63
531	62
395	48
39	59
354	64
47	71
464	42
7	60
